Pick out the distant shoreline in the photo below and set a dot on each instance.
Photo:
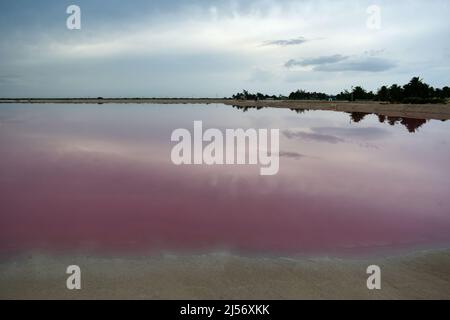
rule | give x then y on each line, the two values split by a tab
415	111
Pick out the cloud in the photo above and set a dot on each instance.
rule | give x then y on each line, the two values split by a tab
203	48
334	135
315	61
286	42
373	53
369	133
291	155
369	64
312	136
334	63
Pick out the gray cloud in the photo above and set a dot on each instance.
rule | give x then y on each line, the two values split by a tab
335	135
124	51
312	136
291	155
285	42
315	61
369	64
373	53
369	133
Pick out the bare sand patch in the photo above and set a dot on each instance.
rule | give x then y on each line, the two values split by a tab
424	275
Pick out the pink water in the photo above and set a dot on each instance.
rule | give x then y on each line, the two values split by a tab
98	178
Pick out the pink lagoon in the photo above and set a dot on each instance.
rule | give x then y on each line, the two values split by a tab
99	179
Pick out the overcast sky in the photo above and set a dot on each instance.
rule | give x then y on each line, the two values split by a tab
218	47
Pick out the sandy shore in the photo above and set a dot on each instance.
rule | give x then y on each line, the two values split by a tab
424	275
420	111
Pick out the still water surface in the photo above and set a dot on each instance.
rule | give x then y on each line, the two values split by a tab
98	178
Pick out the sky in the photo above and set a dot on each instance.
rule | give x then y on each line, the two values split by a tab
215	48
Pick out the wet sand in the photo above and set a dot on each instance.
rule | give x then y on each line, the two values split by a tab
422	275
414	111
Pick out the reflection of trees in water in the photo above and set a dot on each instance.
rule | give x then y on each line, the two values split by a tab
410	123
358	116
393	120
413	124
299	111
245	109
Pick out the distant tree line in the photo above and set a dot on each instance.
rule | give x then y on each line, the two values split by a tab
245	95
416	92
304	95
357	93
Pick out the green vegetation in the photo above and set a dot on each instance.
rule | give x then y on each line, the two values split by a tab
245	95
303	95
414	92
